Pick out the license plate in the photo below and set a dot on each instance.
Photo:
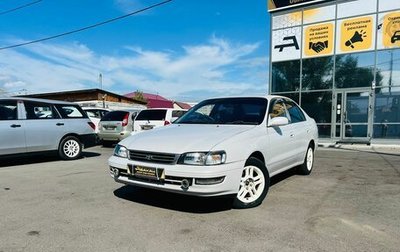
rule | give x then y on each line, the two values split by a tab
147	127
148	172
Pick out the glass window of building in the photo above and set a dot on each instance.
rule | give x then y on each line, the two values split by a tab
355	70
388	71
317	73
285	76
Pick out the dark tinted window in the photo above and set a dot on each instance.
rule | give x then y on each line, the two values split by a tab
152	115
318	105
296	115
8	110
114	116
39	110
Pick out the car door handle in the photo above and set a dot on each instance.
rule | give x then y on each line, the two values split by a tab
59	124
15	126
291	135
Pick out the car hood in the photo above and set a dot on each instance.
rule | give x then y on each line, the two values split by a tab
182	138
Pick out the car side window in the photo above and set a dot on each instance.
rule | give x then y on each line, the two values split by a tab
296	115
39	110
70	111
277	108
8	110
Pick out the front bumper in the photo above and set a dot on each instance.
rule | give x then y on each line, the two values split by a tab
175	174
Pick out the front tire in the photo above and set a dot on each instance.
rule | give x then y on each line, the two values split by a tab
307	166
254	184
70	148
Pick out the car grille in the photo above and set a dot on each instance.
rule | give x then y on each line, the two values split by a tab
153	157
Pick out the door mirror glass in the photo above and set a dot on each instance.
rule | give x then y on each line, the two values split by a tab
278	121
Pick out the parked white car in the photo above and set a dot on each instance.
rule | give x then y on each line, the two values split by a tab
156	117
95	115
222	146
37	125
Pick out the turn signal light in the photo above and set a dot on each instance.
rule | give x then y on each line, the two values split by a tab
92	125
125	120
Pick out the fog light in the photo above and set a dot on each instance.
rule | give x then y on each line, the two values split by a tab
209	181
114	171
185	184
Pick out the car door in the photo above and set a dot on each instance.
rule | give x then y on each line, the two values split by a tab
44	127
281	152
300	130
12	131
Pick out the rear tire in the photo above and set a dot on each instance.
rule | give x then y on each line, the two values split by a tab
70	148
254	184
307	166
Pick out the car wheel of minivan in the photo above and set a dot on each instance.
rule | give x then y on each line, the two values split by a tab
307	166
70	148
254	184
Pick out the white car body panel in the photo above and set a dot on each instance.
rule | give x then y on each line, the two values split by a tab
282	147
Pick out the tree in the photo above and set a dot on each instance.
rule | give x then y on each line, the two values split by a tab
139	96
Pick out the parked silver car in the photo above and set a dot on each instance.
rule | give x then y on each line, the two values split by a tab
36	125
116	125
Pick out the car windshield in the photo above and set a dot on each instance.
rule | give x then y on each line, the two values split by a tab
247	111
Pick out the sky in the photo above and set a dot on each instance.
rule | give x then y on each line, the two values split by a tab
185	50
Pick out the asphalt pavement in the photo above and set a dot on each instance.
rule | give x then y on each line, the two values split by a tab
351	202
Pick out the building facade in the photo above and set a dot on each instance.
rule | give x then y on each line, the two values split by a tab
340	60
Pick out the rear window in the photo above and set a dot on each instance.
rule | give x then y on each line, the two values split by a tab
114	116
152	115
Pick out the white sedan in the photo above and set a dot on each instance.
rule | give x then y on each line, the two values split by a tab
222	146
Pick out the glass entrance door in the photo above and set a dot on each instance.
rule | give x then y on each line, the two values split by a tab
352	115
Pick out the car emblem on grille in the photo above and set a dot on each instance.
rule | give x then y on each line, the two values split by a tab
149	157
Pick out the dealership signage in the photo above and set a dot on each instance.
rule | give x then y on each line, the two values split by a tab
389	30
318	40
274	5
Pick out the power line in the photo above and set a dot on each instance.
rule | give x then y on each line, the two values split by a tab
20	7
87	27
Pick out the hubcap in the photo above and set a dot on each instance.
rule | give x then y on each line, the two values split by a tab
252	184
71	148
310	159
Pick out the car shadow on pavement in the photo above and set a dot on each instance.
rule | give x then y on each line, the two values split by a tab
282	176
173	201
23	159
185	203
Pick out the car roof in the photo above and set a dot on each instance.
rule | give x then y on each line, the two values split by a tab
38	100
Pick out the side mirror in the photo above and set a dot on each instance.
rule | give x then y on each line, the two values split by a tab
278	121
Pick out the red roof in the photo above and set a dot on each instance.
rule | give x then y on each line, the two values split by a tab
154	101
183	105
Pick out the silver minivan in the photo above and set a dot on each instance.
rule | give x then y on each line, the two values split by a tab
116	125
35	125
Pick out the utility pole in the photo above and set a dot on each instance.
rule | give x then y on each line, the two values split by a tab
101	81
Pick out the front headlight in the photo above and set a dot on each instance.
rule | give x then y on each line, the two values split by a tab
203	158
120	151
